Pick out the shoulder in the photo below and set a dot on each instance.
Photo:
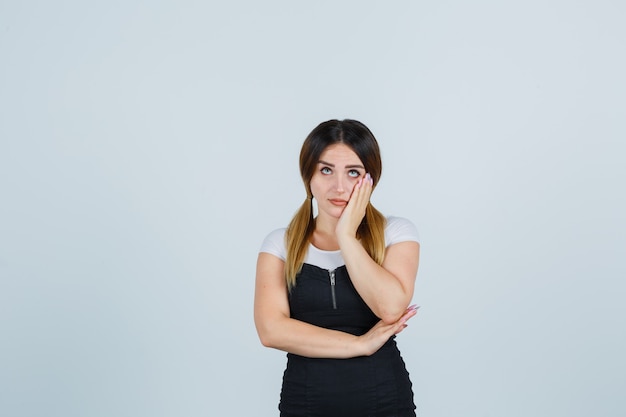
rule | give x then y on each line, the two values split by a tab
399	229
274	243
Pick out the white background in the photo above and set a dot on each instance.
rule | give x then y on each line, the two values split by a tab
147	148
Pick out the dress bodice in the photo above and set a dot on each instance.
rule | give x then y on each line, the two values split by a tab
328	299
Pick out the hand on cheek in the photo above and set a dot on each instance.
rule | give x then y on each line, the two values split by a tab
355	210
362	192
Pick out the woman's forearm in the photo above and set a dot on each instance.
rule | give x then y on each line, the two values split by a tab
386	293
304	339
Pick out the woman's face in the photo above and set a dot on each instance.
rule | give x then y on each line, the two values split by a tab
337	171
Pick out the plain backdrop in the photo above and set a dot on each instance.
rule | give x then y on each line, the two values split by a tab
147	148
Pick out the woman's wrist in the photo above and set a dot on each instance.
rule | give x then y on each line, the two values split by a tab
359	347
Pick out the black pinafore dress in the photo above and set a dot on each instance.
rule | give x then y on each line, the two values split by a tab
365	386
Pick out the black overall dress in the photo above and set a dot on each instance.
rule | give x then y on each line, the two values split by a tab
376	385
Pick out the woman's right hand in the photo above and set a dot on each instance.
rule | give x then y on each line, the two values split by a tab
378	335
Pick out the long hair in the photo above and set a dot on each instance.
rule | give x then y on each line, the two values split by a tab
371	231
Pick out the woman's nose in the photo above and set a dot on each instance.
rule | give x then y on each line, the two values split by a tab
340	184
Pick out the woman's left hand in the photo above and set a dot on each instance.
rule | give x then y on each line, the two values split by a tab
355	209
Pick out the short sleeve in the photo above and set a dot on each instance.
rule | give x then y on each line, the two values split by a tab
399	229
274	244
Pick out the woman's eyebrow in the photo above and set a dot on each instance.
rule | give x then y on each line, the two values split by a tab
347	166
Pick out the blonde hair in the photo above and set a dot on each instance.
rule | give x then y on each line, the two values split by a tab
371	231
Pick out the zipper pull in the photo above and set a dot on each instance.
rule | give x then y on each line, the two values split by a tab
332	288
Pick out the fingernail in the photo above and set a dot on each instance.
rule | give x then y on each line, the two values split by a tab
413	307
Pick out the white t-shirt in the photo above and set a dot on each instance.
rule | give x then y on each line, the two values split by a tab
397	229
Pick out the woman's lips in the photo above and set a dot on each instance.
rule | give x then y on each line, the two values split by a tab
338	202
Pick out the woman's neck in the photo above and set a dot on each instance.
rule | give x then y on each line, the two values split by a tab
324	236
325	224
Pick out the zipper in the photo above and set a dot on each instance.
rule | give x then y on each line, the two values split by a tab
332	288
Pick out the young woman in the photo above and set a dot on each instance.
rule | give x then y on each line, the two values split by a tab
334	290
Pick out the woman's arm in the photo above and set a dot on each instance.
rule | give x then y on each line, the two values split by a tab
278	330
388	288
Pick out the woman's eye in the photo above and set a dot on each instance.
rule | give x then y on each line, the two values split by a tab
354	173
325	170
